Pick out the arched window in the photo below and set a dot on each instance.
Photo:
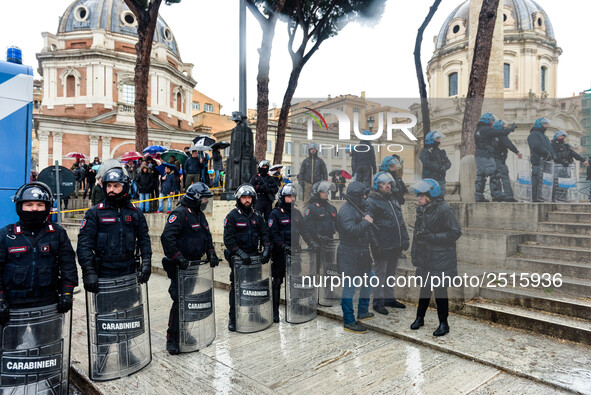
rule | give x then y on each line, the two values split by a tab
453	84
507	75
179	102
544	76
70	86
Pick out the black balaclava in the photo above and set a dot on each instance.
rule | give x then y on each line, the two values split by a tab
32	220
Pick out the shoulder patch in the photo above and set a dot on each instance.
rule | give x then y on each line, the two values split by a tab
83	224
172	218
334	214
225	221
270	223
307	211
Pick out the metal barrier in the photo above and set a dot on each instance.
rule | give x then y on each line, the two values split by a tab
301	296
254	310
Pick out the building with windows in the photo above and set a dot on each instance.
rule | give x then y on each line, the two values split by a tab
88	85
207	117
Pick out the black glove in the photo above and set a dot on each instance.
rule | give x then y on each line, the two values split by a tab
182	262
4	312
90	279
287	249
145	271
266	255
213	259
512	127
244	257
405	245
65	303
425	235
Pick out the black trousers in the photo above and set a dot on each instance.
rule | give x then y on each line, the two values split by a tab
172	332
440	299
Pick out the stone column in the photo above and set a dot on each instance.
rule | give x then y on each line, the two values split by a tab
43	137
106	148
57	146
94	140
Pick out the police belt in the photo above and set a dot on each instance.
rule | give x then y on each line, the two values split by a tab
117	258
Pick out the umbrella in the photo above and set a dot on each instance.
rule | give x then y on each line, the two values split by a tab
131	155
108	165
161	167
154	149
96	167
154	156
339	172
220	145
177	154
76	155
200	146
275	167
208	141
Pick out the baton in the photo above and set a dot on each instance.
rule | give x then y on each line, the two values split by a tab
348	199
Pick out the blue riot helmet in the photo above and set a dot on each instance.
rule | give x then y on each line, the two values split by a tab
499	125
427	186
487	118
559	134
390	161
366	133
382	176
432	136
539	123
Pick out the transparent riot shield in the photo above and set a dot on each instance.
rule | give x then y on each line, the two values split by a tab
35	354
547	181
327	295
254	307
301	296
522	185
118	328
565	183
196	307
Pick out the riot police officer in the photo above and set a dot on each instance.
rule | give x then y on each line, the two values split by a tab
245	230
109	234
435	161
540	149
266	187
320	217
186	237
393	165
37	262
502	145
564	156
285	224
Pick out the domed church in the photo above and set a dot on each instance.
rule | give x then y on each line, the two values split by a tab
88	85
522	79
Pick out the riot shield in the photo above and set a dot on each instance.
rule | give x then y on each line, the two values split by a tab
35	351
254	307
196	307
522	186
327	255
547	181
301	296
565	183
118	328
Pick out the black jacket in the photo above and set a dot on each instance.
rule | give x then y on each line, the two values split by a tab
320	219
539	146
218	163
35	268
186	232
502	146
484	139
363	158
169	182
589	172
434	239
245	231
312	170
144	182
192	166
564	154
435	162
97	195
108	238
387	215
266	187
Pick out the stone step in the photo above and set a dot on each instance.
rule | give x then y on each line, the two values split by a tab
581	271
565	228
570	217
561	327
574	207
539	300
563	240
556	252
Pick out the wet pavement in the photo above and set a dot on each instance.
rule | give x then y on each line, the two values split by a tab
318	356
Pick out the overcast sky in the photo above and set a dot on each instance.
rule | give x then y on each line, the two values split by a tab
376	59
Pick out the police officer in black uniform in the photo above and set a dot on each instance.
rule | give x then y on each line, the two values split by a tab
320	217
186	238
37	262
266	187
502	146
564	156
109	234
245	230
285	225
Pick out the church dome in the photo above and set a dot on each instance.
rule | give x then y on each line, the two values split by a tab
112	16
518	15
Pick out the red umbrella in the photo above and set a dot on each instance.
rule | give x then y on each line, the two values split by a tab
76	155
155	156
131	155
347	175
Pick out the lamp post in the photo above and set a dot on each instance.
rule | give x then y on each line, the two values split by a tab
370	123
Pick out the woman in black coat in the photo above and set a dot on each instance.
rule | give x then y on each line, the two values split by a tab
434	250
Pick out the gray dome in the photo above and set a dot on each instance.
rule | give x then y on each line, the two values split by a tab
522	12
112	16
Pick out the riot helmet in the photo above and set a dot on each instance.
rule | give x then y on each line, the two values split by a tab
35	191
193	198
540	122
245	190
287	190
382	177
261	166
427	186
432	136
321	186
119	176
488	118
499	125
559	134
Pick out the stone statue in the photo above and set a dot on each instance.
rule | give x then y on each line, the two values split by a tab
241	164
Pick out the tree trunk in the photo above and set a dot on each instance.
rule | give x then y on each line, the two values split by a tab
478	74
419	68
285	107
268	28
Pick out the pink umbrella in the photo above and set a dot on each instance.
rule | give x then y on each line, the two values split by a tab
76	155
131	155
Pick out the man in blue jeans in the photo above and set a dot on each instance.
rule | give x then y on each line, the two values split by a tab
169	184
353	257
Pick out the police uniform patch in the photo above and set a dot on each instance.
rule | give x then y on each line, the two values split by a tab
334	214
307	211
270	223
172	218
44	248
83	224
225	221
16	250
128	218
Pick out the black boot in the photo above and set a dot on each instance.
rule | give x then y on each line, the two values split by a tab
396	304
420	321
172	346
232	323
379	308
276	297
442	330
